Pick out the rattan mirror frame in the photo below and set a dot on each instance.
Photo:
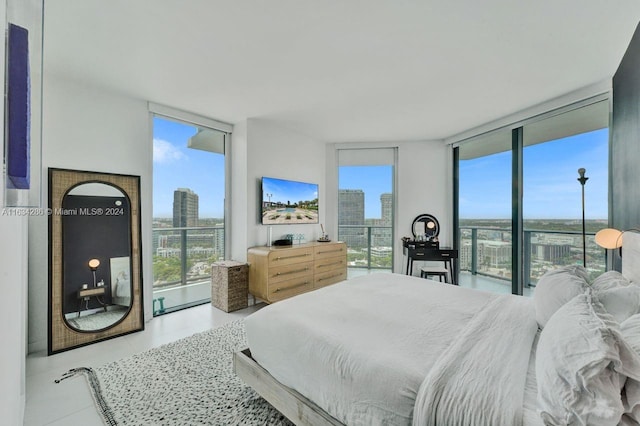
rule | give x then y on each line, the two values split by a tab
61	336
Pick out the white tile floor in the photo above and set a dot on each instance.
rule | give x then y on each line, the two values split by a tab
70	402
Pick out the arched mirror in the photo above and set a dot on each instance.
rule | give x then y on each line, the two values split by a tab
95	281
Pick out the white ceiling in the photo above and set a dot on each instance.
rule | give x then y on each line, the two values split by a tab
342	70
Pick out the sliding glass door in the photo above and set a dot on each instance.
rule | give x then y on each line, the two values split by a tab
554	149
484	202
520	202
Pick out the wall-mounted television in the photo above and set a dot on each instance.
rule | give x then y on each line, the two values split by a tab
287	202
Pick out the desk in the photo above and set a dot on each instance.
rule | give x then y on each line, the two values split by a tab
415	250
85	294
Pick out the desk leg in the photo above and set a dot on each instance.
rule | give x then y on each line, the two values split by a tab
454	276
408	262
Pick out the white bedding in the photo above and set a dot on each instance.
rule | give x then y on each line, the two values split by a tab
362	348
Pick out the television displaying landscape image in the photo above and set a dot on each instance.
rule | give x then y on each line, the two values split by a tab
287	202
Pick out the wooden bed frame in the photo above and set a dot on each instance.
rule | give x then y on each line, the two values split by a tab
290	403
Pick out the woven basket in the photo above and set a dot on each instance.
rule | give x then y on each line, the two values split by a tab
229	285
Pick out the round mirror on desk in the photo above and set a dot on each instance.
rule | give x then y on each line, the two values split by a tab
425	225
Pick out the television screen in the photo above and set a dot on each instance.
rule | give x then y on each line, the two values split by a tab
286	202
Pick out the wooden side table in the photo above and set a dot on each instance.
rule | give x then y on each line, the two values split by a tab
229	285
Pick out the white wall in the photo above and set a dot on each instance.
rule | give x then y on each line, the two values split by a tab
237	213
278	152
88	128
13	316
424	185
13	252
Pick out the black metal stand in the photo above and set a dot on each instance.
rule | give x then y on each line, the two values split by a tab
582	179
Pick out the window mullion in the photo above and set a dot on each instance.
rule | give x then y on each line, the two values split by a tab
517	261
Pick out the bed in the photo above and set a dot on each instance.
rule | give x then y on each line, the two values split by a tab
390	349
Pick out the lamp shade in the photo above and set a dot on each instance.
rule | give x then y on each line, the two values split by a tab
93	264
609	238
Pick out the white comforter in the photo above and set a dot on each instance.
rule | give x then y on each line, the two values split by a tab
364	350
480	378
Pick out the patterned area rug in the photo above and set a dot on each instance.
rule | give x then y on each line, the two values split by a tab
187	382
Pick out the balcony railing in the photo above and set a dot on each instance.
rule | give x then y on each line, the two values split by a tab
483	250
487	251
369	246
184	255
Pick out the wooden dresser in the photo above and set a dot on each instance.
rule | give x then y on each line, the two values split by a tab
276	273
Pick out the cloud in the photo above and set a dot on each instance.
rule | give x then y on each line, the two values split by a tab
164	152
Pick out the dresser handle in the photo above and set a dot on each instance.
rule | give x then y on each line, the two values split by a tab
293	286
330	264
445	254
291	272
329	277
329	251
291	257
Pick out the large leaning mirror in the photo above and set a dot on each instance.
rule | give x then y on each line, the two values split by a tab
95	285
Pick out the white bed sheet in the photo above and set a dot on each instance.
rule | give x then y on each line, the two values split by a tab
531	415
362	358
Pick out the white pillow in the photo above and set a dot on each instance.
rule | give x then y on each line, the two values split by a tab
580	365
555	288
610	279
621	302
631	331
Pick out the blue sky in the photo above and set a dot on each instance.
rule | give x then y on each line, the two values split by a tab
176	166
288	191
550	173
551	189
373	180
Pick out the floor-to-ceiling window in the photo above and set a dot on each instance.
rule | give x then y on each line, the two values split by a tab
553	150
189	186
528	176
485	210
366	206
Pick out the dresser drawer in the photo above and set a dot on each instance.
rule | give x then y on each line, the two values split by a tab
329	250
288	256
330	277
288	272
289	288
276	273
330	264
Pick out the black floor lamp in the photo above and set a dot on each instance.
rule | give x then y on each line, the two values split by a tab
582	179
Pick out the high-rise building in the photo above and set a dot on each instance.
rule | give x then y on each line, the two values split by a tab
386	204
382	233
185	208
351	212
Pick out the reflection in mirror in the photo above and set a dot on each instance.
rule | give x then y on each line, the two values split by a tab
95	278
425	226
96	241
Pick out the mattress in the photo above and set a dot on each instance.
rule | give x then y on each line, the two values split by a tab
360	349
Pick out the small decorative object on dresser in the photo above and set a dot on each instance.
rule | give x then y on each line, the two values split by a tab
276	273
229	285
